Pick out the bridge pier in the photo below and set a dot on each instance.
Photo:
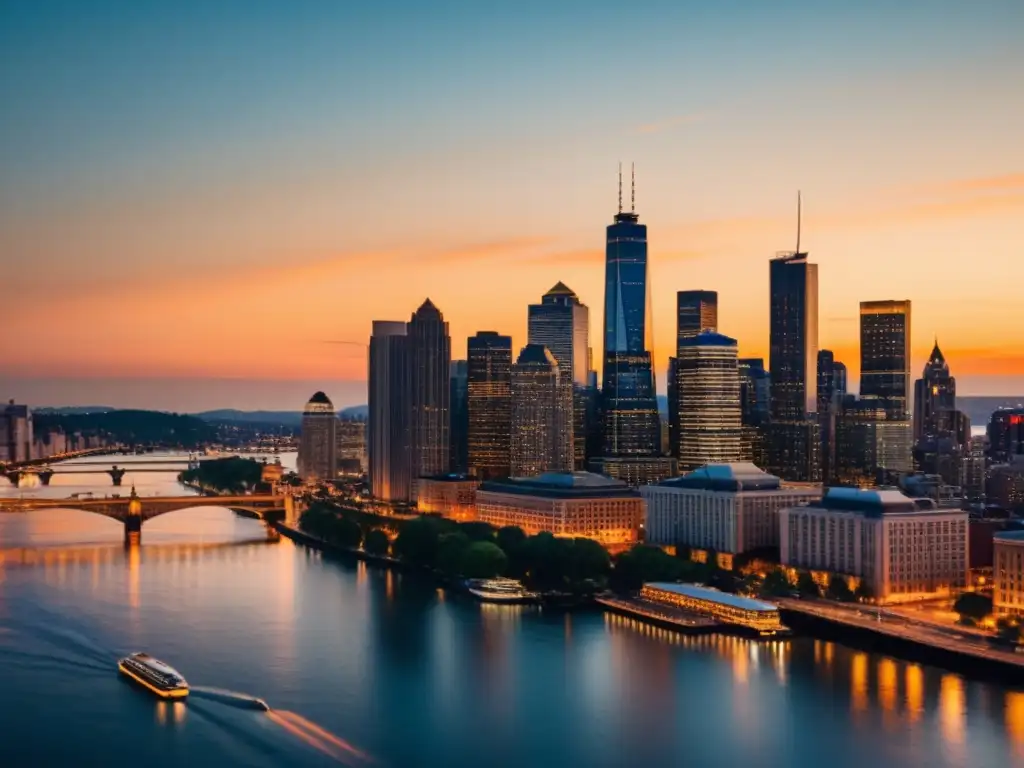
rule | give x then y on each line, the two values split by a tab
44	476
116	474
132	529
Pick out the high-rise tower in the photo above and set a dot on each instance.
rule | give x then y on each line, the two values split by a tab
934	397
490	403
696	311
541	414
631	426
318	443
885	355
710	412
794	445
430	356
387	425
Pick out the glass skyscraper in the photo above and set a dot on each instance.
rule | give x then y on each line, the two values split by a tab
710	412
794	437
631	424
430	357
490	403
885	354
696	311
387	426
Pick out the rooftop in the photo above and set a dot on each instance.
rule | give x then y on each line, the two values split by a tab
874	502
561	485
1009	536
707	593
708	339
738	476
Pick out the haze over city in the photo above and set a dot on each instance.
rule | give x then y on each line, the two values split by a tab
200	209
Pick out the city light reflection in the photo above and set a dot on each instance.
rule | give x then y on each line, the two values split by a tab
859	682
952	714
914	680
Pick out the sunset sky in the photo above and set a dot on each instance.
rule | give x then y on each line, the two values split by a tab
205	204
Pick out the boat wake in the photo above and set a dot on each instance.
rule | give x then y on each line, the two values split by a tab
63	663
319	738
231	698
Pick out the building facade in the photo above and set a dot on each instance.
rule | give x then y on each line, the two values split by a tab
934	397
870	447
16	435
696	312
1005	435
731	508
318	442
490	405
629	404
709	401
903	548
387	426
564	504
458	398
351	444
430	357
755	394
831	393
541	415
1008	573
562	324
452	496
794	436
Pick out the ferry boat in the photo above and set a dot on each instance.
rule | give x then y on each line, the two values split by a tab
499	591
153	674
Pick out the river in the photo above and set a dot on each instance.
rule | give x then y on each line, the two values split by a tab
362	667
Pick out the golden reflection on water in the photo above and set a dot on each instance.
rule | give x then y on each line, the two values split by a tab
859	682
1015	721
952	711
888	684
914	680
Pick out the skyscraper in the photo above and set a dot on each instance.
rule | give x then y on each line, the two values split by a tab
885	354
794	441
696	311
458	396
562	324
831	391
629	404
934	397
755	395
430	356
541	414
387	426
318	442
16	433
490	404
709	413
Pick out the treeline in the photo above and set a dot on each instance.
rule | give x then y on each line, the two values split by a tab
547	563
228	475
133	428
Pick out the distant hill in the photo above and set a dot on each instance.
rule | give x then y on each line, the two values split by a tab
355	411
132	427
76	409
291	419
980	409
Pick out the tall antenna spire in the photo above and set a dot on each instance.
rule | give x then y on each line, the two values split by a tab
632	184
620	186
798	206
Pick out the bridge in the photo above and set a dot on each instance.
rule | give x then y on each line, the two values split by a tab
46	474
134	510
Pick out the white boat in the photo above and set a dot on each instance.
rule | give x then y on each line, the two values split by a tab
498	591
159	678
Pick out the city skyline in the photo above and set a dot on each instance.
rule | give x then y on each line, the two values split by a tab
274	222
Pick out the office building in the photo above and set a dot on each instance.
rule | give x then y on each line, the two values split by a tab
1008	573
794	444
565	504
974	470
934	397
870	447
351	446
1005	435
696	312
541	414
731	508
629	405
16	437
709	405
318	441
490	405
452	496
902	548
387	426
430	357
831	392
459	401
755	393
562	324
885	355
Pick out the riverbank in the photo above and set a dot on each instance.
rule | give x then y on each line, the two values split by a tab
928	645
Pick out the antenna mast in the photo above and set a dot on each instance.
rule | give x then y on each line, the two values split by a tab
798	206
620	186
632	191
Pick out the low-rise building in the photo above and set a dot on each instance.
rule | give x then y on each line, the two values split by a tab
730	508
1008	573
903	548
451	495
565	504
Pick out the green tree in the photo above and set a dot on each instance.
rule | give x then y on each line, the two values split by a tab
483	560
346	533
588	561
546	560
972	607
864	593
806	585
642	564
418	541
776	584
1008	629
839	590
477	531
451	550
376	542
